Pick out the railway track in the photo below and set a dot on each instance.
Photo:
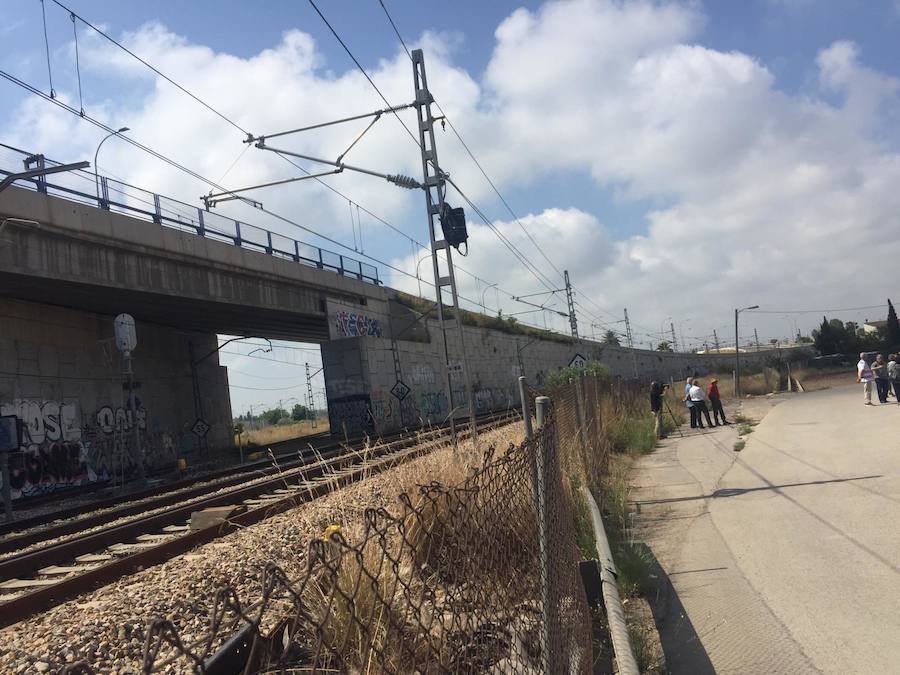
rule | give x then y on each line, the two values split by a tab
34	580
289	454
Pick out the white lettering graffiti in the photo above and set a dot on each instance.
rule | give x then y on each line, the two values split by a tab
110	420
49	422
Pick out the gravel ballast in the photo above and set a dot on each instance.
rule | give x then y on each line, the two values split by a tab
107	627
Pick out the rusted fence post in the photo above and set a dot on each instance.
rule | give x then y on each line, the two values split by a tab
542	414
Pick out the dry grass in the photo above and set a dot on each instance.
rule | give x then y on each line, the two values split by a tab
380	628
814	379
281	432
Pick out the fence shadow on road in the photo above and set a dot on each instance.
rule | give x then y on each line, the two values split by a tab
683	649
735	492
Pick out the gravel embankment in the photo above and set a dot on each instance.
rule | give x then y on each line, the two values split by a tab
108	626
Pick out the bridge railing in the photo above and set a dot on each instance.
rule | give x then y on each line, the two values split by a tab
115	195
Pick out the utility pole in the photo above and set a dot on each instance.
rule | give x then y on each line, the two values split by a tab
756	337
674	341
630	344
435	186
309	397
716	340
570	299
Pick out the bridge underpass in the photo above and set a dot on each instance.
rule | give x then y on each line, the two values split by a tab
67	268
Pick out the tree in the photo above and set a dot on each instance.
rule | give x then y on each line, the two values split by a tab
663	347
893	327
610	338
274	415
836	337
823	338
300	412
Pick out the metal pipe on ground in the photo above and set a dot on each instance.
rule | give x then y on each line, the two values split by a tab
615	612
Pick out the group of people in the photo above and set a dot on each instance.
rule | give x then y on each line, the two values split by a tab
695	398
880	375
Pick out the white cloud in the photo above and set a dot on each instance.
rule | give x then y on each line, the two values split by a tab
778	199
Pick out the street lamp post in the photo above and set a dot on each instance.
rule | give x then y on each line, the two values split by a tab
418	278
737	351
96	176
487	288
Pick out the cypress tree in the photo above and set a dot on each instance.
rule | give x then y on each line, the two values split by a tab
893	326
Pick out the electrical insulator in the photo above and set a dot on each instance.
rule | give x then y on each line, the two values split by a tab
453	223
404	181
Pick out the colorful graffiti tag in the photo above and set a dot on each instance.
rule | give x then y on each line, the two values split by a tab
52	454
351	324
56	451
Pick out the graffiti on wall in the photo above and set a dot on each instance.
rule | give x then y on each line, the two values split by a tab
353	413
110	420
353	324
383	411
59	449
46	421
421	373
52	454
388	413
434	404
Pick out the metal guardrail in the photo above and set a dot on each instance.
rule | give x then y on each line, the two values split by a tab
115	195
612	601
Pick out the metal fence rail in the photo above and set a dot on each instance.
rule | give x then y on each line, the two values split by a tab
115	195
478	577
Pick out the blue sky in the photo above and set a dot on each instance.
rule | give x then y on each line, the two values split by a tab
679	158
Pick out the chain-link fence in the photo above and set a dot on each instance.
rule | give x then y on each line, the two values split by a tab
479	577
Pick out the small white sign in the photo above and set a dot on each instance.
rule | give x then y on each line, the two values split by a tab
578	361
126	335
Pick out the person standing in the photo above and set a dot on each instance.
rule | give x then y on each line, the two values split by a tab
715	402
689	403
865	375
894	375
657	391
698	398
882	383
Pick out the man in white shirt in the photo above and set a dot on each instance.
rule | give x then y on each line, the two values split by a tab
698	398
865	375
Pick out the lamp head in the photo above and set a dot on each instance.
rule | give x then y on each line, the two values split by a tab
122	130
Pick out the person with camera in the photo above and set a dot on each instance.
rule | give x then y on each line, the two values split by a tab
657	391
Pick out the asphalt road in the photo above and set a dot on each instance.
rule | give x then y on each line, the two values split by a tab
784	557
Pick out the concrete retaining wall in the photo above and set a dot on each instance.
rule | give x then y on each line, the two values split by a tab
361	370
61	373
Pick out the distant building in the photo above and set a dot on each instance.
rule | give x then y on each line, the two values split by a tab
874	326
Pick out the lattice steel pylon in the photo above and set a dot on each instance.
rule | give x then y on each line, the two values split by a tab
570	299
310	404
435	184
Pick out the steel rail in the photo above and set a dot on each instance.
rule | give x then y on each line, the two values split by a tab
173	492
191	501
352	468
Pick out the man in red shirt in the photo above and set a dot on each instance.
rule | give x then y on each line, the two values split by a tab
715	401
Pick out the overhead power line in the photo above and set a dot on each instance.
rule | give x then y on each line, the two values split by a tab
151	67
34	90
362	70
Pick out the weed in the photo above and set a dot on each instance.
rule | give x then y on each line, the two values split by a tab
634	436
739	445
633	563
645	649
